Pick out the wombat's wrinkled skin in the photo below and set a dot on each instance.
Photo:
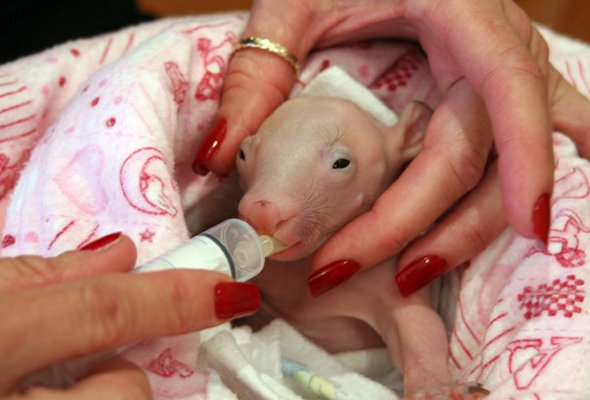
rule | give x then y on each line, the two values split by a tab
315	164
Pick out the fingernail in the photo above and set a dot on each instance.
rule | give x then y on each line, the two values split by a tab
102	242
235	299
210	146
331	276
541	217
420	273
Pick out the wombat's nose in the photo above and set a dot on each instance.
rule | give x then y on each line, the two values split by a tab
263	214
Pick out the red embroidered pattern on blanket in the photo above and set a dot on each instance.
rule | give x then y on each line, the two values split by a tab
177	80
209	88
559	297
166	366
537	354
8	240
401	72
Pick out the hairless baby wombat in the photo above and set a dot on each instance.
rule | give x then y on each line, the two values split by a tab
314	164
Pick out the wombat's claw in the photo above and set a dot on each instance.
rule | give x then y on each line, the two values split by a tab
477	389
467	391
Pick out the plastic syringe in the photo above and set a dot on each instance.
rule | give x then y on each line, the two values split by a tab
232	247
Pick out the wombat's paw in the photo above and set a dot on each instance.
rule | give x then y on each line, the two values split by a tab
455	392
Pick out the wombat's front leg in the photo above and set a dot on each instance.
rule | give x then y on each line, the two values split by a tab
418	343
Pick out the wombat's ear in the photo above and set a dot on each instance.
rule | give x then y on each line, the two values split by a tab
412	126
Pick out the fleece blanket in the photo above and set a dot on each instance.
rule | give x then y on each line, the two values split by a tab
98	135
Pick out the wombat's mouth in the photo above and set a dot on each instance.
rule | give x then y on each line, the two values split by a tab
272	245
292	252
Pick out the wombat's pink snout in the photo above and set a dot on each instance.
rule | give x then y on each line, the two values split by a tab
266	216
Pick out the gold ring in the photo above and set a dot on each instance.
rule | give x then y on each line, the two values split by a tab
253	42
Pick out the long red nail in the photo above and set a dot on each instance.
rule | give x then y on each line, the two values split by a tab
102	242
235	299
210	146
541	217
420	273
331	276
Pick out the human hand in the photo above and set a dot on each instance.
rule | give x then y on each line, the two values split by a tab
487	60
84	302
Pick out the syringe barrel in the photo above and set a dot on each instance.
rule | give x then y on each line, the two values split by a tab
242	246
231	247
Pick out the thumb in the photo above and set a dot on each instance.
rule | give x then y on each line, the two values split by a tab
111	253
256	82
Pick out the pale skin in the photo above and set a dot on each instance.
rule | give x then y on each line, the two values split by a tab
305	177
491	67
85	302
513	56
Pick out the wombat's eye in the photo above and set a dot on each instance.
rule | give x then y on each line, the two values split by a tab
242	155
341	163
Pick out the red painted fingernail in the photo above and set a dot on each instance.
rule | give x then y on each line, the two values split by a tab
102	242
541	217
235	299
210	146
420	273
331	276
